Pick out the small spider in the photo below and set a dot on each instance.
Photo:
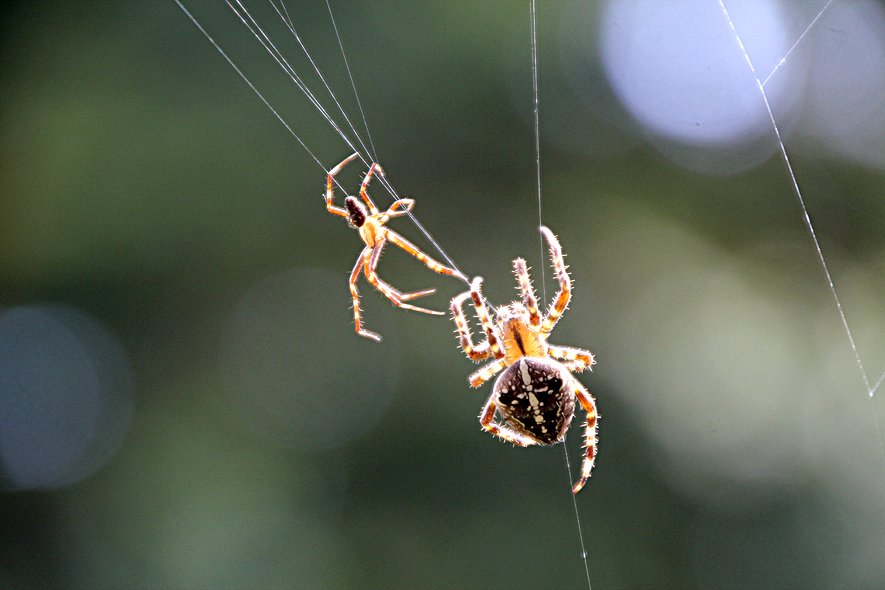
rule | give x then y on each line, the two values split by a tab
535	395
370	224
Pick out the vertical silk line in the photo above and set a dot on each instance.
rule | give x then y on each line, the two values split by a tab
537	112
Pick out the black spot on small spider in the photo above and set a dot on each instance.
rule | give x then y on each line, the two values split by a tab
356	212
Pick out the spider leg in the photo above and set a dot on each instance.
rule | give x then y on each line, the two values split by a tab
560	301
414	295
528	294
404	206
574	366
412	249
356	296
475	352
576	358
330	188
494	338
363	192
487	372
396	296
589	404
486	419
386	287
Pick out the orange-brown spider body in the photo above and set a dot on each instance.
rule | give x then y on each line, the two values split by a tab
535	393
370	222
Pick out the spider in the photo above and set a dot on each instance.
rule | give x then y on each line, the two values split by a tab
535	394
370	224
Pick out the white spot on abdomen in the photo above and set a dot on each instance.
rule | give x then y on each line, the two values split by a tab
533	401
524	372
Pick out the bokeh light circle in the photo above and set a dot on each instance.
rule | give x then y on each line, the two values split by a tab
66	396
677	68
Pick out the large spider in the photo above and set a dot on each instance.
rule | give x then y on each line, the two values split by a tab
535	395
370	224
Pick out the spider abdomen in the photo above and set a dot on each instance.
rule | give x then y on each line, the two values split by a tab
536	399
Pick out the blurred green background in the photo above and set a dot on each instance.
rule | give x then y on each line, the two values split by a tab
186	404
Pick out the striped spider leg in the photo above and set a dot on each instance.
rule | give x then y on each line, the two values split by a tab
535	392
370	222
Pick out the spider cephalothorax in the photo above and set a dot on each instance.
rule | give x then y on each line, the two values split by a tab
519	338
535	393
369	221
